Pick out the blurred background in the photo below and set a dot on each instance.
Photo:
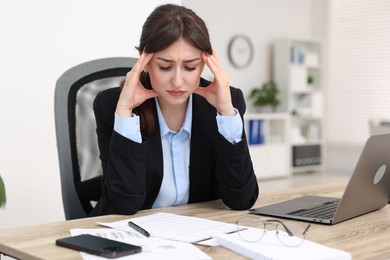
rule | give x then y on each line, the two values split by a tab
345	41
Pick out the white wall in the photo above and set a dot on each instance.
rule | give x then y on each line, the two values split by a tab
41	39
358	76
263	21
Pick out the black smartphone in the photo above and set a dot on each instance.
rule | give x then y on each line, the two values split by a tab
98	246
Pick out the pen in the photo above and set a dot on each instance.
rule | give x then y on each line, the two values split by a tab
139	229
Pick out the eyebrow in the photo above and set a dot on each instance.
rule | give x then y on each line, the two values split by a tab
171	61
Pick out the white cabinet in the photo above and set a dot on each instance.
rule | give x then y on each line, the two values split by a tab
297	72
268	141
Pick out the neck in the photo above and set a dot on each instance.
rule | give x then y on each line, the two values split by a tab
174	115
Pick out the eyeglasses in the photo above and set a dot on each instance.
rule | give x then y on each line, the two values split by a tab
289	233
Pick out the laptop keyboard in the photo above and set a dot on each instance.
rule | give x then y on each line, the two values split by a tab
323	211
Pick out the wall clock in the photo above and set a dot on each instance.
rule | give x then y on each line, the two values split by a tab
240	51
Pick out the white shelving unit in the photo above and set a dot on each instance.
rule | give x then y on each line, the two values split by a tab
268	140
297	71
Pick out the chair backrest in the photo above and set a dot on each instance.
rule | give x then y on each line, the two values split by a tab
78	152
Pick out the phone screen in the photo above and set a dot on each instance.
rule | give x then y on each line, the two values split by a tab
98	246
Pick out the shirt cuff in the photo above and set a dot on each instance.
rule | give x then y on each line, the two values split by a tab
128	127
230	127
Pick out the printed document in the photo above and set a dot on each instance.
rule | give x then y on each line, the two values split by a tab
176	227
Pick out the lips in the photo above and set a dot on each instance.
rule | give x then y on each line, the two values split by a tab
176	93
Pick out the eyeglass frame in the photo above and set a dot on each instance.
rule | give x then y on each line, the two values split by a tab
274	221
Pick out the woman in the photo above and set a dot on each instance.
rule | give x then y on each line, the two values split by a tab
169	137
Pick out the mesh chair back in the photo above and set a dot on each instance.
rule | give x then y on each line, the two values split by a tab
78	152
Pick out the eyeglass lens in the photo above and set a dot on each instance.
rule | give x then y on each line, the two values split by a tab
289	233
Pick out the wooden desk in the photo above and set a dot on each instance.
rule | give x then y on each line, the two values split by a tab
364	237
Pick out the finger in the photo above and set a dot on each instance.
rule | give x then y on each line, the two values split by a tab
146	57
141	63
215	55
207	61
215	60
138	65
214	66
134	74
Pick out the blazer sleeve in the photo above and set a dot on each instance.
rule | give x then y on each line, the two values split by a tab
236	181
123	184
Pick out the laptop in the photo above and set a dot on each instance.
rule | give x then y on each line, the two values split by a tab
368	189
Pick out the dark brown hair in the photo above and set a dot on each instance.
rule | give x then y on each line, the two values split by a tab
165	25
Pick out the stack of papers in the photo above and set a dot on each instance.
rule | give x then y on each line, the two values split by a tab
172	237
176	227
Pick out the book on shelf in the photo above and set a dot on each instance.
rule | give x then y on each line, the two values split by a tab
311	132
270	248
256	135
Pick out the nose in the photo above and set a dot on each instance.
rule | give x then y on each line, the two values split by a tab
177	80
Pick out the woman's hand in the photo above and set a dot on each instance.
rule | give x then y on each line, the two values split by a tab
133	92
218	92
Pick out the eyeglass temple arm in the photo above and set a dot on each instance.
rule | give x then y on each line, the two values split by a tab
280	222
306	229
286	228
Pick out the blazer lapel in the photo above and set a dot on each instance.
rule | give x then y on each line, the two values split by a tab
202	151
154	165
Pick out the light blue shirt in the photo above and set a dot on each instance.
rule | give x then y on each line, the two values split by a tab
175	186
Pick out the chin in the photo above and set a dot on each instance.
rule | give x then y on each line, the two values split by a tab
177	100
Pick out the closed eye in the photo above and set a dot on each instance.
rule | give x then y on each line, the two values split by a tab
168	68
165	68
190	68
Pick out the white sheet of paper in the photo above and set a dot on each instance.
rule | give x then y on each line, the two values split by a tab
270	248
176	227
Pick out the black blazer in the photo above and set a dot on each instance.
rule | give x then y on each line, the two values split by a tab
133	172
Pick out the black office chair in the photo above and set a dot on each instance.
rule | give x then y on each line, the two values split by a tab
78	152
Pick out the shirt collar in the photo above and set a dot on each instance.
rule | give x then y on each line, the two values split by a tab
164	129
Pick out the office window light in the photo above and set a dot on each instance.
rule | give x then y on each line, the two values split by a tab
358	68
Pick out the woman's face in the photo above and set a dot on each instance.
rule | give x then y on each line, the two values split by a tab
175	71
